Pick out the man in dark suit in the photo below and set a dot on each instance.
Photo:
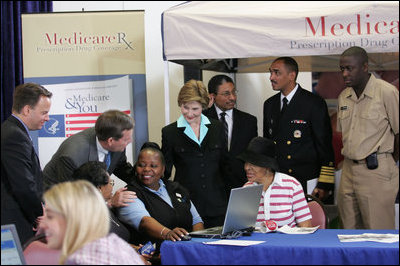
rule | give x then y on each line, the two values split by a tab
104	142
298	121
242	127
21	174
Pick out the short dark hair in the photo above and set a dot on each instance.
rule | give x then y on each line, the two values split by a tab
111	124
93	171
358	52
290	64
28	94
216	81
153	147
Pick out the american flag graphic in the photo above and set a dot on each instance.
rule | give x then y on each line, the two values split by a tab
75	123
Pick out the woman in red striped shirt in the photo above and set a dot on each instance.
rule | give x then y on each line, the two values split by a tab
283	199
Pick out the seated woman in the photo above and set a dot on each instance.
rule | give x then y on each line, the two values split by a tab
77	222
163	209
283	199
96	173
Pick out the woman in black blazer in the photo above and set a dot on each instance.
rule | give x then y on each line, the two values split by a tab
194	145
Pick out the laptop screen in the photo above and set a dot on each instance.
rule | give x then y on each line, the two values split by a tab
241	214
11	250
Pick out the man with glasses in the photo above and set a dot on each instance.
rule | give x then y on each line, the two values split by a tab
298	121
240	127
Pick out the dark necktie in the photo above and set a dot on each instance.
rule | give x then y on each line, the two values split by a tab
223	121
107	159
284	106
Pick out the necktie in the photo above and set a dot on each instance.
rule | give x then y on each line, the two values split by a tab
223	121
284	106
107	159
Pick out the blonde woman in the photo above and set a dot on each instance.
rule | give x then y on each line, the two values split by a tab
194	145
77	223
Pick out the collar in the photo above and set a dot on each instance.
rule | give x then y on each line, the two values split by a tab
162	186
277	180
100	148
291	94
219	111
368	90
20	120
182	123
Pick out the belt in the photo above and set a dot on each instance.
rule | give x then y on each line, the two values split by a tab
363	160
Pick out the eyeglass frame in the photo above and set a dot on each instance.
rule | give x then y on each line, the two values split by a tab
228	93
111	182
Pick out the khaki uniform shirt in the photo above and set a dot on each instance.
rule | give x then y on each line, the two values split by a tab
369	123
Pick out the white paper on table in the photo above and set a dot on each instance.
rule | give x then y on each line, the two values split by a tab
297	230
230	242
383	238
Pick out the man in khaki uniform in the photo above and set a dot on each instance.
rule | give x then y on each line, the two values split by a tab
368	117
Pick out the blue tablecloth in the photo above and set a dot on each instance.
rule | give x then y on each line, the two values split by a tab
322	247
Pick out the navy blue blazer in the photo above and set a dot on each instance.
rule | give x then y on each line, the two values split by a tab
303	135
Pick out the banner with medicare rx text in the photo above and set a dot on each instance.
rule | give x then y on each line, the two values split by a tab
91	62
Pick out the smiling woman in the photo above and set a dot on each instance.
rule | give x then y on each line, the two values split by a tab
163	210
195	146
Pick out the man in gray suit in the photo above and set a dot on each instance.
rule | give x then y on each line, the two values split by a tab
106	141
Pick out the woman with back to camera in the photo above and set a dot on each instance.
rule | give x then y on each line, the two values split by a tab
194	146
77	222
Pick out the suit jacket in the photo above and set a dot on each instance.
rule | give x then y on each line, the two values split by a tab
243	130
303	135
21	179
77	150
198	168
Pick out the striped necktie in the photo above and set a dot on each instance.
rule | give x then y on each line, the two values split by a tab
223	121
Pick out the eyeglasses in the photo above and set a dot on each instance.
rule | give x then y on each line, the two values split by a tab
112	182
227	93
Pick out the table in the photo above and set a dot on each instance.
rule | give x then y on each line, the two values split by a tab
322	247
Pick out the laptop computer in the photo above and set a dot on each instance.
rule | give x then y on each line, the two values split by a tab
11	250
241	214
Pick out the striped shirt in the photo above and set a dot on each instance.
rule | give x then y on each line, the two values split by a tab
283	202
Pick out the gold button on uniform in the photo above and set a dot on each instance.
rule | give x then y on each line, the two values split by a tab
289	142
289	157
290	170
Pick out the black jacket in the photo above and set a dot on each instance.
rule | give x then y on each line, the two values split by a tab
178	216
21	179
303	135
198	168
243	130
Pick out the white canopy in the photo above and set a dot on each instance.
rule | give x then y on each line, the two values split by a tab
244	36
